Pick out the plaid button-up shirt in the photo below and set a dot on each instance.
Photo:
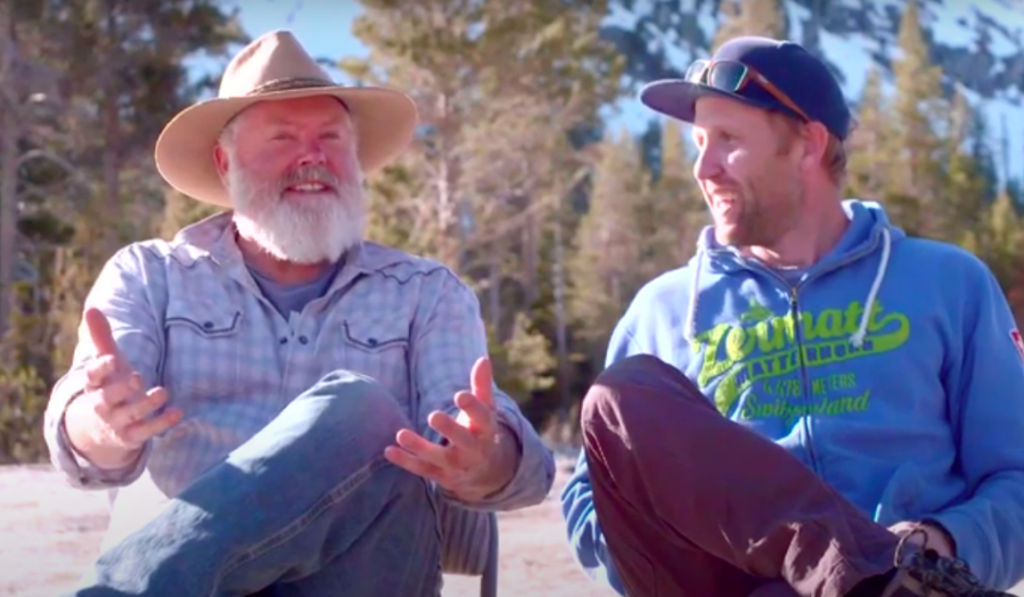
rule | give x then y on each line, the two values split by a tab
188	316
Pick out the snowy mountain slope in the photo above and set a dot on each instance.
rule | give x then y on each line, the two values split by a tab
979	43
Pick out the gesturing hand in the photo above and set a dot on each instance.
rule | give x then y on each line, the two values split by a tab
109	422
464	465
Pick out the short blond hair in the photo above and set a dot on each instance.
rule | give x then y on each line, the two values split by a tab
833	160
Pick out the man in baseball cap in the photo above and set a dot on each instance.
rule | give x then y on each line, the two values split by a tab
779	76
793	413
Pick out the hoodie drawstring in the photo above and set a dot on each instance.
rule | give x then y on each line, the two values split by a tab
857	339
690	331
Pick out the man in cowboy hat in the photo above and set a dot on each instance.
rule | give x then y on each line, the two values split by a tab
280	404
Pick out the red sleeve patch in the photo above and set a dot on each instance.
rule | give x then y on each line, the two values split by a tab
1018	341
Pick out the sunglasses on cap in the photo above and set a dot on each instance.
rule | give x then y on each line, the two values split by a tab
732	77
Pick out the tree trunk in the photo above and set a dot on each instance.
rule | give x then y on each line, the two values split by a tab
561	340
494	291
531	259
9	134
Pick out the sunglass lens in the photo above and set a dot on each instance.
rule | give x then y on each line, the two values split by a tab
726	76
695	73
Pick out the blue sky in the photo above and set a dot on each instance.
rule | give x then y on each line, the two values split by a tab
324	28
325	32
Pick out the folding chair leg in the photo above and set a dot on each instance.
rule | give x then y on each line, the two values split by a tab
489	579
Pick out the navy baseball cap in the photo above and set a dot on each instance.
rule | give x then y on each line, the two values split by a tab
765	73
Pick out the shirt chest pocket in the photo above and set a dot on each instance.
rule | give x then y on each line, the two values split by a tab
202	357
378	349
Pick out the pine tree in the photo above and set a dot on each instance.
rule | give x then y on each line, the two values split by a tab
672	214
917	168
181	211
499	85
871	147
604	269
968	188
766	18
1001	239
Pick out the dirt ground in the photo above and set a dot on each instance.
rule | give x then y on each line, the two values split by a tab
49	533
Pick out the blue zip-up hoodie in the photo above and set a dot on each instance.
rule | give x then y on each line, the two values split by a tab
909	398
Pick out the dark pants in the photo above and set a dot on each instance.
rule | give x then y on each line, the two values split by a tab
695	505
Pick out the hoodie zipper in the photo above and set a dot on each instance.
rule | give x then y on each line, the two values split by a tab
807	397
794	306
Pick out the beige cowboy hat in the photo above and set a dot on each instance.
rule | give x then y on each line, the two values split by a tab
275	67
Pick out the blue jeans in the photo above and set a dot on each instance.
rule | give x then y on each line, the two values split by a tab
307	507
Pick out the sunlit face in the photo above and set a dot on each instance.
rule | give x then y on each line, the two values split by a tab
748	171
293	176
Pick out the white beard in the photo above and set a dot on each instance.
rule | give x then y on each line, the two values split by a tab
321	227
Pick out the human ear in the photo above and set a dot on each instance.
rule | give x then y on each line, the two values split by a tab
815	143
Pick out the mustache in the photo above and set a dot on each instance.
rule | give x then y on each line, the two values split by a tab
304	174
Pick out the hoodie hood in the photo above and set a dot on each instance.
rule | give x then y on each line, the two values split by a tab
869	229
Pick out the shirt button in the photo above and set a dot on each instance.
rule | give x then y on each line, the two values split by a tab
208	325
303	339
372	341
283	340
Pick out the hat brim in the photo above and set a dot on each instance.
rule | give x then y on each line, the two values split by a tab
677	98
385	120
